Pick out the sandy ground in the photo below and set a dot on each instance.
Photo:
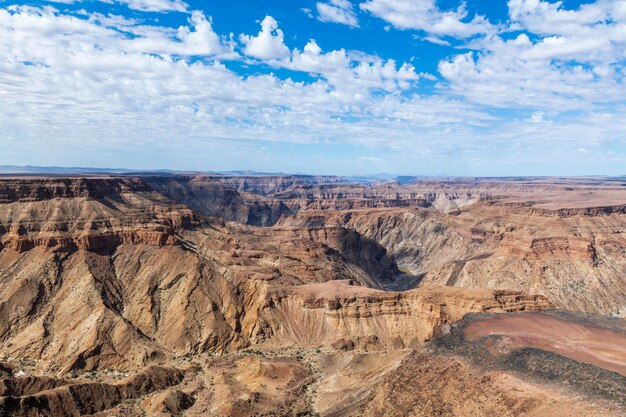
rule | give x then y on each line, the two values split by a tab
580	341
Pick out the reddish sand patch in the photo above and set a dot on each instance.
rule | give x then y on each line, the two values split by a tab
336	289
582	342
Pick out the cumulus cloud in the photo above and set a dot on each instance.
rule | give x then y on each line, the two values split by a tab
574	60
83	79
337	11
144	5
197	39
551	18
345	71
594	32
426	16
49	26
268	44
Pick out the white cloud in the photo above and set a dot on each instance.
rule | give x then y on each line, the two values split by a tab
352	72
574	61
505	78
425	15
436	40
50	27
112	83
83	80
551	18
156	5
143	5
594	32
344	71
337	11
268	44
197	39
537	117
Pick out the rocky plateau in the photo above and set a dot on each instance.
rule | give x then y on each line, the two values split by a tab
183	295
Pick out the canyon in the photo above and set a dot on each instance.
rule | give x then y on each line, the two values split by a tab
280	295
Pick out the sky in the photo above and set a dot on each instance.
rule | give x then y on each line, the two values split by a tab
410	87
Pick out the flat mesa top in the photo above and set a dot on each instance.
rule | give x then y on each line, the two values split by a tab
546	193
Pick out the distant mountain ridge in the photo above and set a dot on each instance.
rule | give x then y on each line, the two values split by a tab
34	170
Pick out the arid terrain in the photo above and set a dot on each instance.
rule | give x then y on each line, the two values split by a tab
277	295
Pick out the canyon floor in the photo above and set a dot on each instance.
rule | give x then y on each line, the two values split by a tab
278	295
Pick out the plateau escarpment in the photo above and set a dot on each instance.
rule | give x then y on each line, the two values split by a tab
39	189
337	314
88	214
213	198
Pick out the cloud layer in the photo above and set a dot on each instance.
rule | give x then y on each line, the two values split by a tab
142	5
548	81
337	11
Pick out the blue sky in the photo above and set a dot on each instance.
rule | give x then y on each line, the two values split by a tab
426	87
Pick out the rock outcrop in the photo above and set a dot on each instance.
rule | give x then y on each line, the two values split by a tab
85	398
334	312
212	198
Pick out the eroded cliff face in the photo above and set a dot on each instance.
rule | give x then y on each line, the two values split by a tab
217	197
50	397
144	304
39	189
90	214
269	185
337	314
578	260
